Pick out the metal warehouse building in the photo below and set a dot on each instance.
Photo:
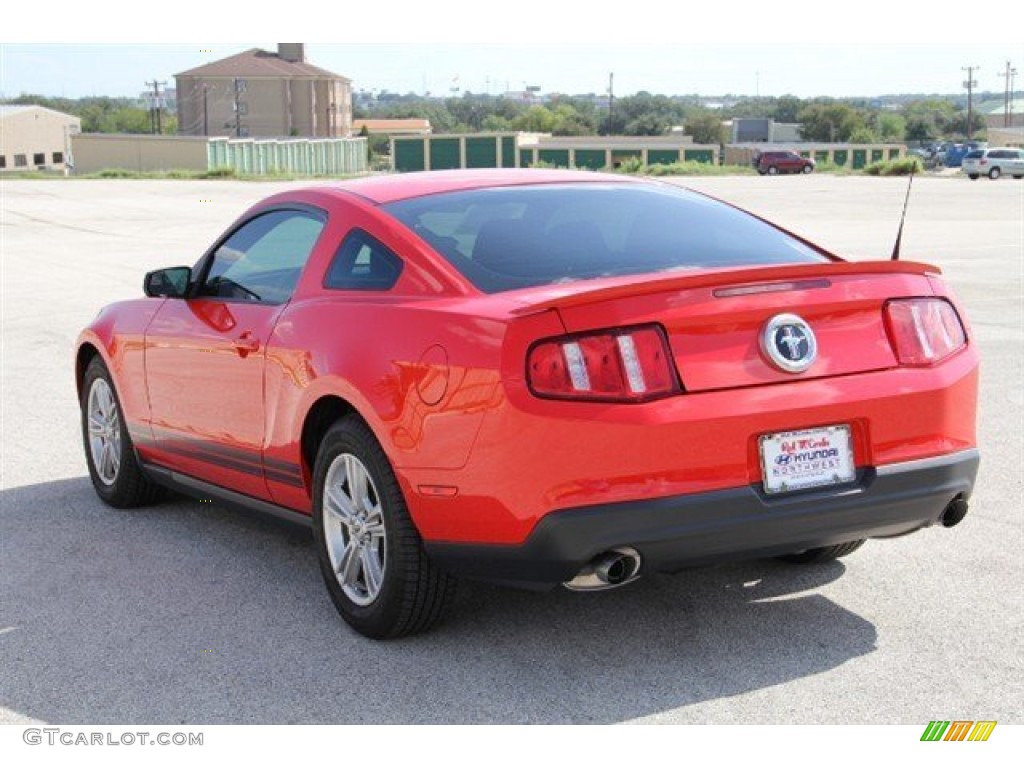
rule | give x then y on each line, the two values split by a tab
523	150
35	138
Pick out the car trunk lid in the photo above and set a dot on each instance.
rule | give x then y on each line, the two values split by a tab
715	321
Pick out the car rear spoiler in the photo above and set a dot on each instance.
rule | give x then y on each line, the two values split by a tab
569	294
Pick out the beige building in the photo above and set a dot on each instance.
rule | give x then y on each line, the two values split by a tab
35	138
260	93
404	126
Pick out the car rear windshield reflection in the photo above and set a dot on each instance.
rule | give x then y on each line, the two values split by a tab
515	237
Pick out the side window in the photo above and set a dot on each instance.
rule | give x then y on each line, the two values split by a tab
263	259
363	263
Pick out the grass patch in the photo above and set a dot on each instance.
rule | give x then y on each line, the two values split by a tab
833	170
693	168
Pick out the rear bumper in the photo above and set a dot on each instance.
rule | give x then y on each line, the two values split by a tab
732	524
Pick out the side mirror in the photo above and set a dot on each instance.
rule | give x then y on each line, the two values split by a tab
171	283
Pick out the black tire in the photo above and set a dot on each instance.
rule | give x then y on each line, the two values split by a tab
1017	177
972	176
807	169
413	594
129	486
772	170
995	173
823	554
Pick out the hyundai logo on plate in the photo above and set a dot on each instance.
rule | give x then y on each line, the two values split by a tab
789	343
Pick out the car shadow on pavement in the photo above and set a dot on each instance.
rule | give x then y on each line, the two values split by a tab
186	612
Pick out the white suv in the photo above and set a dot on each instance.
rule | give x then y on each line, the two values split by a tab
994	162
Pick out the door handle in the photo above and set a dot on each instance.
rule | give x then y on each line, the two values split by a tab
245	344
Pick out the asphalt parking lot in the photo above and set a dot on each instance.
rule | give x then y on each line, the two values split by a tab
187	613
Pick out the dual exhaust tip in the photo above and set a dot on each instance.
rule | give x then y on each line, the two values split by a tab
614	568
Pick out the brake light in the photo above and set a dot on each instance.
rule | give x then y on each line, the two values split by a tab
624	365
923	331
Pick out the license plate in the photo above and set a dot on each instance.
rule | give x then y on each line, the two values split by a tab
808	458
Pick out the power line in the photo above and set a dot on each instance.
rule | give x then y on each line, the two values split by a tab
240	86
1009	74
970	83
156	108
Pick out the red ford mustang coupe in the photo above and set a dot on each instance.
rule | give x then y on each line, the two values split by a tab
534	378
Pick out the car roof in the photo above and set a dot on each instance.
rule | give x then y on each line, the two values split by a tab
392	187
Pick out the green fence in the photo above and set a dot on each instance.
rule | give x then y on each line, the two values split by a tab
304	157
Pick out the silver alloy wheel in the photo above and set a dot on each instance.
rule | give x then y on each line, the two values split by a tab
104	431
354	529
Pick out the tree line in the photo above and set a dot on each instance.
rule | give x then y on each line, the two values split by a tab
641	114
647	114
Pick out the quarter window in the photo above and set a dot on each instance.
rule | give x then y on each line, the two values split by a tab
263	259
363	263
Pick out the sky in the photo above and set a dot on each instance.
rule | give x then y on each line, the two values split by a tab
805	70
801	47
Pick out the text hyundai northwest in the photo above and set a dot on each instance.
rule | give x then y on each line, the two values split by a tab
534	378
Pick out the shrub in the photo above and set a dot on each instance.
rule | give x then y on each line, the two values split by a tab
903	167
221	172
117	173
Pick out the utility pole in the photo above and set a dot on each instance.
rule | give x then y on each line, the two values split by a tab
970	83
206	110
611	101
155	109
239	90
1008	95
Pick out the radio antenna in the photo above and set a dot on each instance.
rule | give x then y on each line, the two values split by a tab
906	202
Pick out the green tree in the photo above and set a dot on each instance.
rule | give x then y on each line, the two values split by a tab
863	136
830	121
705	128
536	119
786	109
648	124
891	126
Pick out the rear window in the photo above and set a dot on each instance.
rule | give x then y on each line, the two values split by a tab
516	237
974	154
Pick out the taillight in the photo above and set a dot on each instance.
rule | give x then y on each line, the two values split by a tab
923	331
625	364
983	161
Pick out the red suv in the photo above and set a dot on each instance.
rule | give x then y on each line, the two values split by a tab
782	162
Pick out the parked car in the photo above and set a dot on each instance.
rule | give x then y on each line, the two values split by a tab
773	162
535	378
994	163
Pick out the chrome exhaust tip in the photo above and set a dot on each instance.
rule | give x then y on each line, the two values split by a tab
955	512
614	568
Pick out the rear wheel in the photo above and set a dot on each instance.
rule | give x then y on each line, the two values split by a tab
113	468
823	554
995	173
772	170
371	555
